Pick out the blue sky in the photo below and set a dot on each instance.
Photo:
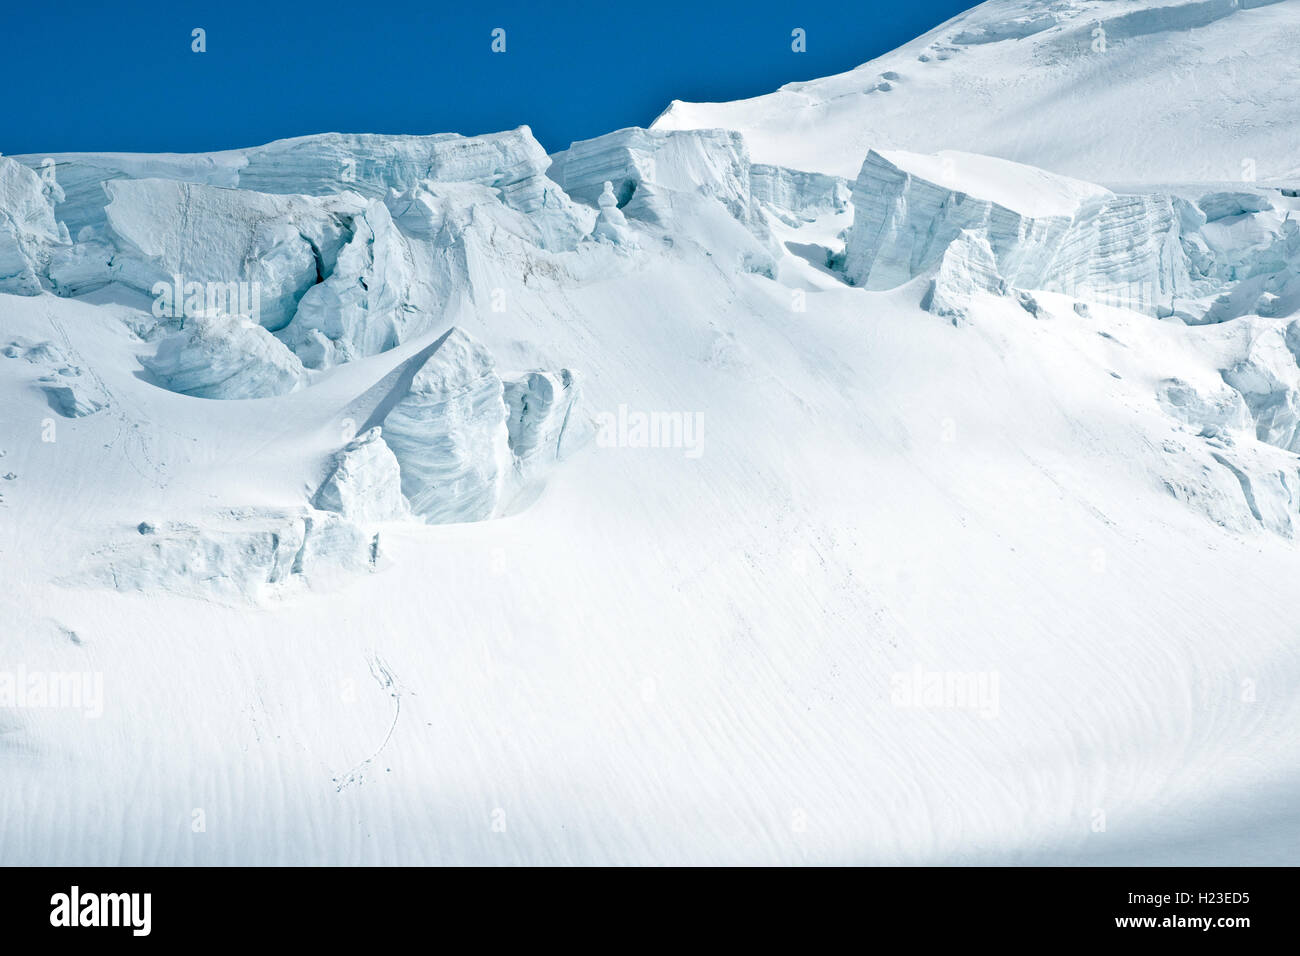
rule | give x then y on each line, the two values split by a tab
122	77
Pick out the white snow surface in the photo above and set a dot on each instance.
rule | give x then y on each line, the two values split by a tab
1179	90
1033	193
686	497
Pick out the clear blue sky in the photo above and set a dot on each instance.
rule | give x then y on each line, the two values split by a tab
108	76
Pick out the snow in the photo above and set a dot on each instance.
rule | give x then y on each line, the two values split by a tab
365	304
225	356
1268	379
280	245
648	167
1171	90
611	224
68	391
366	484
27	228
541	405
1155	252
523	526
330	163
966	270
797	197
1033	193
449	433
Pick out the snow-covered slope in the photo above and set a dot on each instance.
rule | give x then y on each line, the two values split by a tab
430	500
1104	90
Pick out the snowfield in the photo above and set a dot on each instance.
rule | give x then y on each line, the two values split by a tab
1136	91
799	480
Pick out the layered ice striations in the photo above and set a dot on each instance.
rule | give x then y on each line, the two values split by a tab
795	196
967	269
369	303
225	357
466	440
279	246
541	406
511	163
449	434
977	226
647	166
365	485
29	233
1156	253
691	185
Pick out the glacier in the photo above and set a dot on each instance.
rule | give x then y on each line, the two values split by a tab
449	433
29	232
1156	252
975	386
365	485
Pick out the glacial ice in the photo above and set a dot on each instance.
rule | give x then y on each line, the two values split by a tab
647	166
904	221
232	556
691	186
1210	406
226	357
540	406
1268	488
468	441
334	274
358	244
978	226
795	196
280	245
1155	253
1061	446
511	163
366	483
334	549
449	434
1221	205
611	224
367	302
1268	379
29	233
966	269
418	256
83	266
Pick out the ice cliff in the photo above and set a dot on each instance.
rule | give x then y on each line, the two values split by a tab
466	440
28	230
225	356
1158	253
365	485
